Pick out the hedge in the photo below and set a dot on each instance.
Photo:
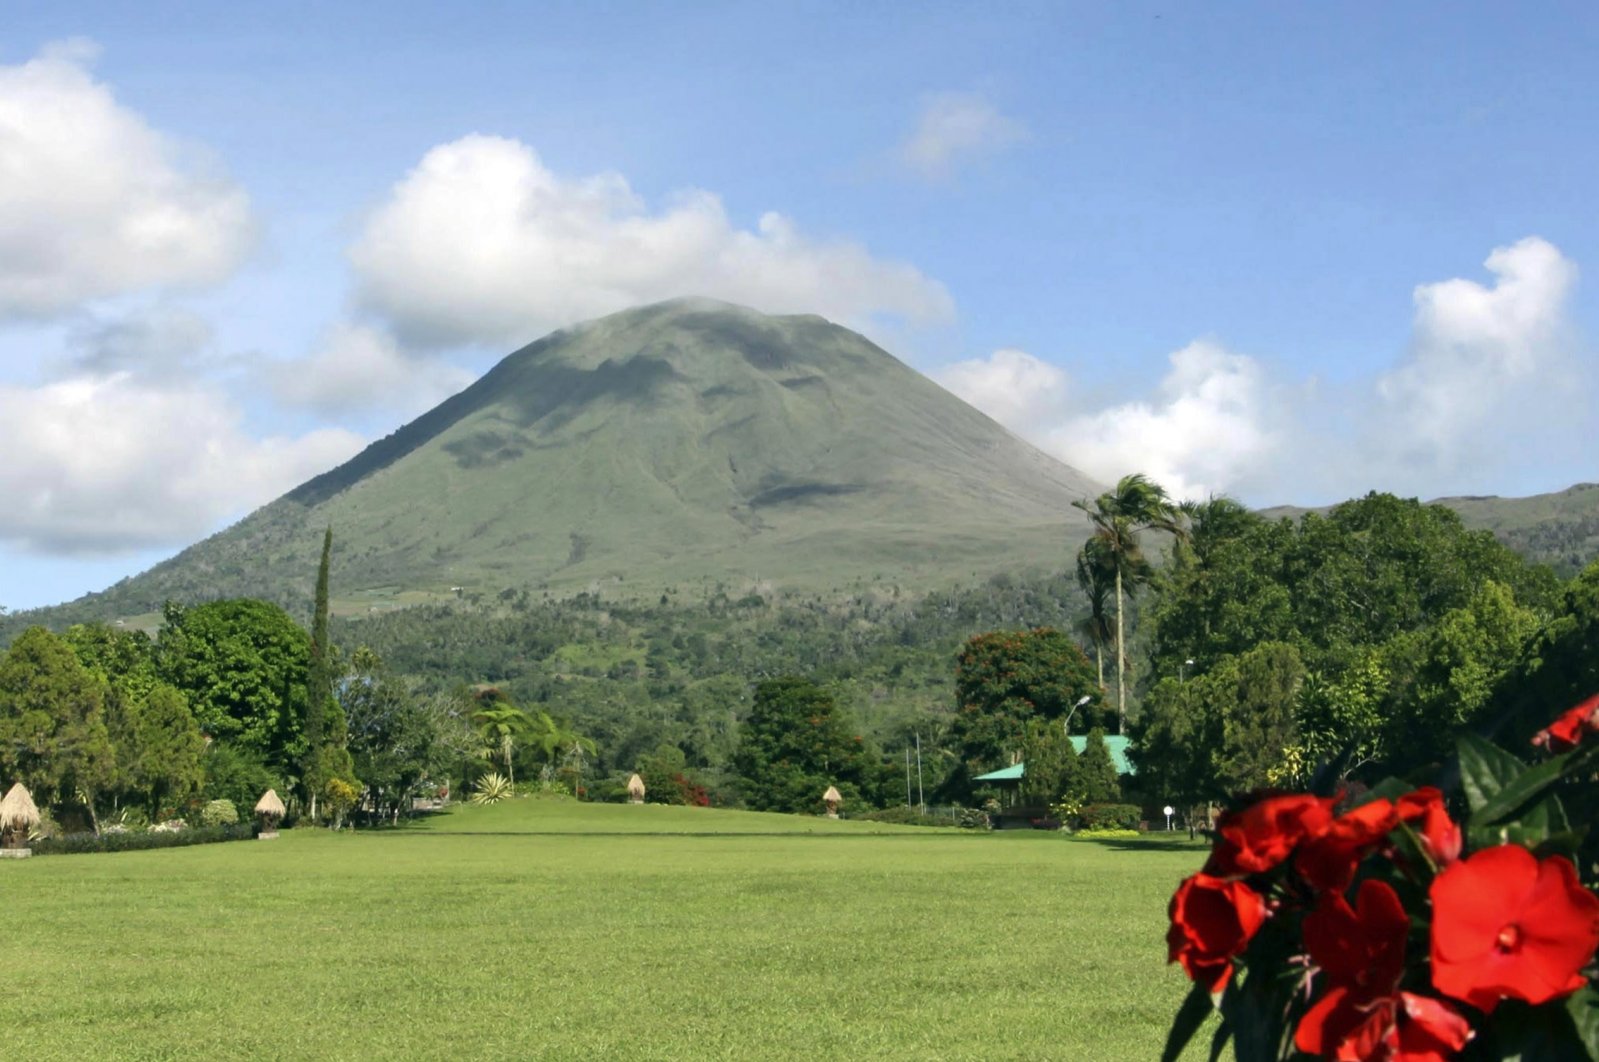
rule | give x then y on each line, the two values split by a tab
76	843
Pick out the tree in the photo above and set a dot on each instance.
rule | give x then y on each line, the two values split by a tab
1175	743
1098	781
1051	764
1255	694
502	725
169	760
53	737
796	743
396	745
1137	504
1096	575
242	664
1558	667
318	687
1003	681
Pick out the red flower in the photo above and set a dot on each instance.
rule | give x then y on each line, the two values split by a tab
1396	1028
1364	1017
1440	836
1211	921
1566	732
1328	862
1506	925
1361	947
1264	834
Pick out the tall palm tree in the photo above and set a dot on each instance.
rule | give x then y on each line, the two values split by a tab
1096	575
1119	516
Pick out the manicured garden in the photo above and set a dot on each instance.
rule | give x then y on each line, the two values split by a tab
559	930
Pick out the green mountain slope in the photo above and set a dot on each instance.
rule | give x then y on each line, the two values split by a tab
674	445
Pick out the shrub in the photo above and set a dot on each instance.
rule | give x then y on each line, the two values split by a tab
904	816
1109	817
972	819
219	813
1102	834
78	843
491	789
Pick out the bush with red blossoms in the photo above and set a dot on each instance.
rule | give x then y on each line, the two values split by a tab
1387	929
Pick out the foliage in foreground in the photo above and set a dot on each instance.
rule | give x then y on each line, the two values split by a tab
1390	933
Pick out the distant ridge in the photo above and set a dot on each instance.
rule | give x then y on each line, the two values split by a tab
680	445
1560	529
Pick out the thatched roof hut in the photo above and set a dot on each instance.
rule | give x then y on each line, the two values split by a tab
635	789
17	816
832	798
270	806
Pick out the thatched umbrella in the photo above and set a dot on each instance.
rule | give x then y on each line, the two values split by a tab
17	816
832	798
635	790
270	809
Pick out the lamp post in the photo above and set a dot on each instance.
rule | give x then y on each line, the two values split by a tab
1067	725
1168	809
1182	671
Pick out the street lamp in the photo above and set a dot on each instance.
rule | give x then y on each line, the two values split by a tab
1067	725
1168	809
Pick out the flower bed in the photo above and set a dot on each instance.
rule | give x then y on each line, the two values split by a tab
131	841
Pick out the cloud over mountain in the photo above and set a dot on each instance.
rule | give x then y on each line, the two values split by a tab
483	243
94	202
1475	351
1489	372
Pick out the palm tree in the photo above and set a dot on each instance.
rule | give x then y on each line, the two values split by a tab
1096	575
1137	504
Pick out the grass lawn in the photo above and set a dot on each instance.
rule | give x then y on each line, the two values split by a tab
554	930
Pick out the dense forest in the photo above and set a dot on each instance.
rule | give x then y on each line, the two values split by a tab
1257	651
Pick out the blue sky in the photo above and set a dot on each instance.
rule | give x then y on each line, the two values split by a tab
1291	253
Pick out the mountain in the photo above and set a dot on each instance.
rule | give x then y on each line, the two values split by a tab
1560	529
680	445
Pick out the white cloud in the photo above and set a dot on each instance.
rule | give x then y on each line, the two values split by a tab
1206	433
1018	390
1474	351
108	463
358	367
482	243
956	127
94	202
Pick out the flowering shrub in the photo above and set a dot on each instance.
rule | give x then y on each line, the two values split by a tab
1383	930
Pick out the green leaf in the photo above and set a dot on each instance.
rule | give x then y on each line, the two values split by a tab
1583	1006
1190	1016
1519	791
1389	788
1485	769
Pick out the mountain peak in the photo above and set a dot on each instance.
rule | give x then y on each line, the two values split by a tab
687	441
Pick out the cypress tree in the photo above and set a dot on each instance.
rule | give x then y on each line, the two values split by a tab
319	683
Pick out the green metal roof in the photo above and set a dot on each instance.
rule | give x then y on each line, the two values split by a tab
1116	743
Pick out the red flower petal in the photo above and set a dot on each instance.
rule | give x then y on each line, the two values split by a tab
1328	862
1429	1030
1506	925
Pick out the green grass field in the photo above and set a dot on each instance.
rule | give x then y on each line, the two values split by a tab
540	929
